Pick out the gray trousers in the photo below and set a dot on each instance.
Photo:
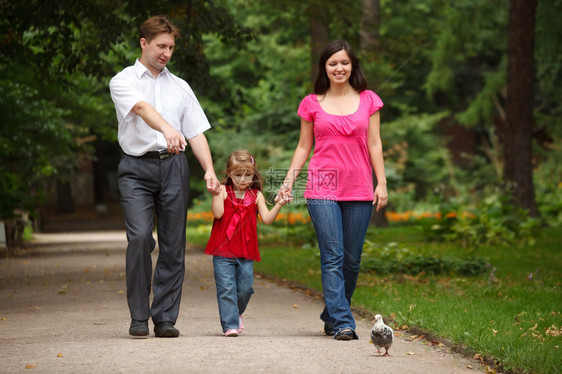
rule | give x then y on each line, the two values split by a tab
151	186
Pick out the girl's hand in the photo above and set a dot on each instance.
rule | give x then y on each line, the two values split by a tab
284	196
381	197
282	199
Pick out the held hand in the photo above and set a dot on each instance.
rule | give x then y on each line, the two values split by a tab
284	196
381	197
213	184
283	199
175	140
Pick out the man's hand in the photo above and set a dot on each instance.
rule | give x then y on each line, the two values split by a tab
213	184
175	140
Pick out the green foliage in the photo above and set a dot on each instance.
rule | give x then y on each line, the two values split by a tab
415	159
548	182
32	135
398	259
492	221
257	92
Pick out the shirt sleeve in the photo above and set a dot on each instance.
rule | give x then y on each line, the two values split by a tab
376	102
194	121
124	95
304	109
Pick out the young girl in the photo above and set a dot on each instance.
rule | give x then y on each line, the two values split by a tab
233	242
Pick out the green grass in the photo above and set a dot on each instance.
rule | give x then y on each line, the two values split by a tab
503	314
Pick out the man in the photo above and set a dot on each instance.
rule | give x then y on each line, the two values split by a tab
156	112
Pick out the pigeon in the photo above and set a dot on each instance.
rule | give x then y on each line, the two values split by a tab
381	335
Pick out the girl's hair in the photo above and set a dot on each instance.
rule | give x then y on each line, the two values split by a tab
357	78
242	159
157	25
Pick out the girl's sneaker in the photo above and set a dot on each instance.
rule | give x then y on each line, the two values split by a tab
241	326
232	333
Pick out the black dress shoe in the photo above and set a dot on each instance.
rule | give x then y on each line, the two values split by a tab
138	328
346	334
165	330
329	329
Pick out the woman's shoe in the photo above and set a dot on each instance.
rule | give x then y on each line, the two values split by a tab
346	334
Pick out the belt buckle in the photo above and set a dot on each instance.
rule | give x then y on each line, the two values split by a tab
164	154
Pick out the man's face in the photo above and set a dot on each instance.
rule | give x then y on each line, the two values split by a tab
157	53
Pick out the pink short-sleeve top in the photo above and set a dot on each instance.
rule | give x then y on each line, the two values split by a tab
340	168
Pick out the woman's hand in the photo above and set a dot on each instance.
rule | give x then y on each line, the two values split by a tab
381	197
284	196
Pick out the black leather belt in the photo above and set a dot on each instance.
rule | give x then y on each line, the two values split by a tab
162	155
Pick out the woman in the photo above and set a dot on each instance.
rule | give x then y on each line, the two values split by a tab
342	120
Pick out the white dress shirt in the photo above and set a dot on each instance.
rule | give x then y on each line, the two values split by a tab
170	95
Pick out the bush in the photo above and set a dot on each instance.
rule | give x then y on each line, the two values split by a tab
493	221
396	259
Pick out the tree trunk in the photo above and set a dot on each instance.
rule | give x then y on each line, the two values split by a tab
319	36
518	169
370	24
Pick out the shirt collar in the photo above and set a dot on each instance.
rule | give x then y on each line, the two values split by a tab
140	69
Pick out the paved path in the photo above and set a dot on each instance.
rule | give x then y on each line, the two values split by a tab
63	310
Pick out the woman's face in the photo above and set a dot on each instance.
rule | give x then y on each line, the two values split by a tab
338	67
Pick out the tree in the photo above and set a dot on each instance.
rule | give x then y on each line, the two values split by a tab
370	26
518	135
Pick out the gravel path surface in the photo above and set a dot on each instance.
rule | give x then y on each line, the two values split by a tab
63	310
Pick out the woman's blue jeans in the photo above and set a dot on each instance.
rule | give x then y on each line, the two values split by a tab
340	227
234	278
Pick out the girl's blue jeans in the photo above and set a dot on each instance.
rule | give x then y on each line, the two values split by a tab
340	227
234	278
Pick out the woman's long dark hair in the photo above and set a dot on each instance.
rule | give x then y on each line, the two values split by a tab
357	78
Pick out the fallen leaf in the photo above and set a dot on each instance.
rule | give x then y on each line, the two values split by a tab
553	331
3	319
64	289
295	306
30	366
469	366
410	353
59	355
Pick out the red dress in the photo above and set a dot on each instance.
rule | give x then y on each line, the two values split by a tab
235	233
